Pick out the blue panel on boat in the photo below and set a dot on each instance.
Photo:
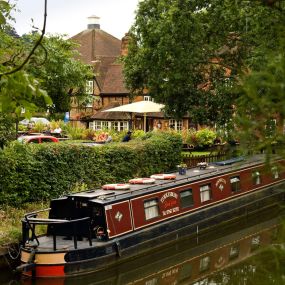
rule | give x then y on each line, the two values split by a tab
230	161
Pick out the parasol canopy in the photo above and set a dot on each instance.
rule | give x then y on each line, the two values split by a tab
143	107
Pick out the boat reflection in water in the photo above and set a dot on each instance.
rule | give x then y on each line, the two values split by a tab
189	260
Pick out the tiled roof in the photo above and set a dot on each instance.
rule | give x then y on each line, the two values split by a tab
102	50
102	66
114	81
96	43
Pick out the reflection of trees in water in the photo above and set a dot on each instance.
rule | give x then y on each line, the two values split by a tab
264	268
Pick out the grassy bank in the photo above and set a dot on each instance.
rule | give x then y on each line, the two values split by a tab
10	227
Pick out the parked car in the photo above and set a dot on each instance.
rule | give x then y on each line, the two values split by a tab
37	139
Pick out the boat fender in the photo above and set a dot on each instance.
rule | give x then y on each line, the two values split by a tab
142	181
163	176
116	187
118	248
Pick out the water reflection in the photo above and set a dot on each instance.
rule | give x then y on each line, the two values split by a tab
227	254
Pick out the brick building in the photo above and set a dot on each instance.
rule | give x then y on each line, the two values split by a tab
107	89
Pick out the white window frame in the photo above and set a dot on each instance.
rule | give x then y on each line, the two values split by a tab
255	242
205	193
234	251
205	263
119	126
235	180
148	98
256	176
275	172
177	124
89	88
151	209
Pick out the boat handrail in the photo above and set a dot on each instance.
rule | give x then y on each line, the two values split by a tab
40	221
31	220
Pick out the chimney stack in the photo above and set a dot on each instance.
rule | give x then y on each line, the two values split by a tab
93	22
125	44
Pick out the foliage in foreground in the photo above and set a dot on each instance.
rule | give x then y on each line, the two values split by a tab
261	109
10	227
41	172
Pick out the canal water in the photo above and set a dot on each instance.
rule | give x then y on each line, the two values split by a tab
249	250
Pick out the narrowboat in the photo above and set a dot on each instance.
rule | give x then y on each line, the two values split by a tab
194	259
88	231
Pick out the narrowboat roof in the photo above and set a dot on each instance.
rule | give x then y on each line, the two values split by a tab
106	197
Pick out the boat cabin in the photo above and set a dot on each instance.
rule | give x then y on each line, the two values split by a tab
112	213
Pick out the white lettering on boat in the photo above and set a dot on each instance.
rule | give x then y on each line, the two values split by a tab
167	195
170	211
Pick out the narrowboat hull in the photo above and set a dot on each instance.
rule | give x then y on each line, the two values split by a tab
42	261
169	263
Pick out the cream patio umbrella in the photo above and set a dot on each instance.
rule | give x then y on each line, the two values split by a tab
142	107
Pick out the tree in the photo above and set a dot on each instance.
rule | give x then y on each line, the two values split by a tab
190	54
60	73
260	108
35	68
18	89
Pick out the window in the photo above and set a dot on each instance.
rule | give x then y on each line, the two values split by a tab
151	209
152	281
235	184
234	252
89	87
255	243
205	193
186	198
185	271
88	101
148	98
175	124
256	178
275	172
34	141
205	263
100	125
107	125
46	140
120	125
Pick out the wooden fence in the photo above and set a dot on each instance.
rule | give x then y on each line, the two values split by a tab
191	160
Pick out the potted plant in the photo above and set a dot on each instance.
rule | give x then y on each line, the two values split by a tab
182	167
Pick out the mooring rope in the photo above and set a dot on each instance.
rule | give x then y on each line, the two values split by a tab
14	249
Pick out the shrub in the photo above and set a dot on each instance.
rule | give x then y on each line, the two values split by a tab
205	138
189	137
39	127
40	172
7	129
75	133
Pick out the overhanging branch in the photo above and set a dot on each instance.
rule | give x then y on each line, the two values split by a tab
33	49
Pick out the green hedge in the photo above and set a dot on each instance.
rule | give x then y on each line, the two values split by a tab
40	172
